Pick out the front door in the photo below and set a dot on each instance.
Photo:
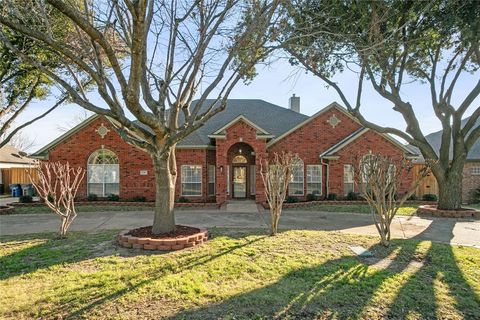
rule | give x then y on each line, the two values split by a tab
240	182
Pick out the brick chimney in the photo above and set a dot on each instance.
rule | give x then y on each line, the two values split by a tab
294	103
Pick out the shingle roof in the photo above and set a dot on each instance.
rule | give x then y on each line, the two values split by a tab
435	140
10	154
272	118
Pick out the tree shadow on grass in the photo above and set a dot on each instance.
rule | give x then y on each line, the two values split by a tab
190	259
347	288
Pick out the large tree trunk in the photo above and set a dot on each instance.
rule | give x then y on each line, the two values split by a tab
450	191
165	177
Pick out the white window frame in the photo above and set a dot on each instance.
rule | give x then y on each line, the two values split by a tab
103	165
349	181
184	176
211	179
475	171
314	180
300	165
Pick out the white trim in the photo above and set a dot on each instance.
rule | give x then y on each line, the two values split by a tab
321	178
201	180
303	181
64	136
214	179
239	118
308	120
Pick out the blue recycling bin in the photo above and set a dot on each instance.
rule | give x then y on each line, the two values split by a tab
27	190
16	190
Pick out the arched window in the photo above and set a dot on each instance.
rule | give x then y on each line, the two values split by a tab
103	173
296	185
239	159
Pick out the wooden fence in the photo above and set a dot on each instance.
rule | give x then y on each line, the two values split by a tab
427	185
15	175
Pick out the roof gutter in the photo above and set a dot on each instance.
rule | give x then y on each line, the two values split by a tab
327	175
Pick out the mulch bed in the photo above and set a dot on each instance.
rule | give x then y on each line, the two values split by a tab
180	232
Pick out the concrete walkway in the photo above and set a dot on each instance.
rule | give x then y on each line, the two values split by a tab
445	230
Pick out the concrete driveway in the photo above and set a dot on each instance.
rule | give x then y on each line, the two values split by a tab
445	230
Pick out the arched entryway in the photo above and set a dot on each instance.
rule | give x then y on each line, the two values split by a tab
241	175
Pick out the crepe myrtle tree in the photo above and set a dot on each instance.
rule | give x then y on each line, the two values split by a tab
380	179
173	52
276	175
390	45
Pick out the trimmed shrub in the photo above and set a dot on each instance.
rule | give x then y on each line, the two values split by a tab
92	197
429	197
113	197
25	199
353	196
139	199
183	200
332	196
413	197
312	197
291	199
50	197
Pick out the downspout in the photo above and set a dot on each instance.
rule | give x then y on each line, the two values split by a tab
327	174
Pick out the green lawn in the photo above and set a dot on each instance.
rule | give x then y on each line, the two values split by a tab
238	274
83	208
406	210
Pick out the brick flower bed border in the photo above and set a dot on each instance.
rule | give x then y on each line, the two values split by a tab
129	241
432	210
306	204
124	203
7	209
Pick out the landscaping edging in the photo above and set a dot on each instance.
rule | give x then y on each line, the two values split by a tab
129	241
306	204
7	209
123	203
462	213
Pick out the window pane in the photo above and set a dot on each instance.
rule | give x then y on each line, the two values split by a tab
295	187
191	180
314	179
211	179
112	188
96	189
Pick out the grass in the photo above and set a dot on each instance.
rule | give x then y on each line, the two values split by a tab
83	208
238	274
406	210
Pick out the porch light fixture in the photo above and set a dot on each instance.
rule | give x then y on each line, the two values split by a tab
221	169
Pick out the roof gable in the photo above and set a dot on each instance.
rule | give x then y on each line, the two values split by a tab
333	105
330	152
44	150
222	130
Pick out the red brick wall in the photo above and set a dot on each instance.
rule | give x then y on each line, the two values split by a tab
315	137
239	132
366	143
78	147
470	181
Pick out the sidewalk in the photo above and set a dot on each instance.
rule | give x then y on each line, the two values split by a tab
445	230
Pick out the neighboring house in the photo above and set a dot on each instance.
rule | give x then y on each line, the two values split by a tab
221	160
13	167
10	158
471	170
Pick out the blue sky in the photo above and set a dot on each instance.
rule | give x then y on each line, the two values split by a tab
275	83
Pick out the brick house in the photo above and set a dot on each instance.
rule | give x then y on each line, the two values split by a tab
471	170
221	160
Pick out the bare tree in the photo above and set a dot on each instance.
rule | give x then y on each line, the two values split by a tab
79	118
174	52
57	184
276	175
380	179
20	141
